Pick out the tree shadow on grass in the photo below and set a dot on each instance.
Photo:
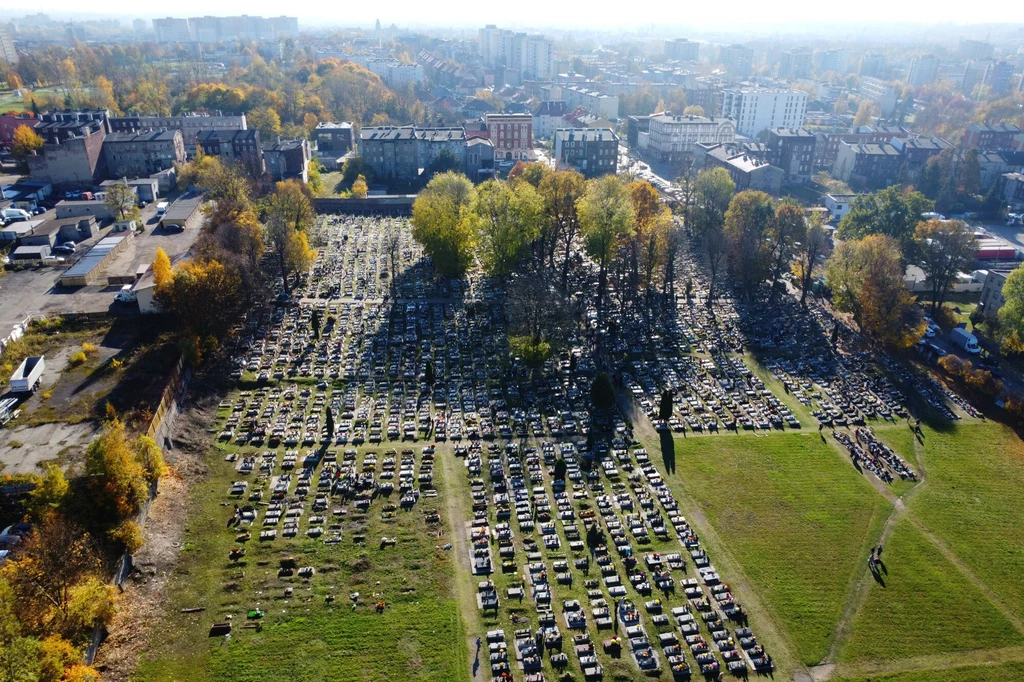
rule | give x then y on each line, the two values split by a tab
668	451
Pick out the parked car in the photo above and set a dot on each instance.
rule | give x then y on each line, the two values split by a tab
66	249
16	214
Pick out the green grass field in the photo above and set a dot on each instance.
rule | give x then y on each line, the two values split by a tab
419	634
977	673
972	500
925	607
797	518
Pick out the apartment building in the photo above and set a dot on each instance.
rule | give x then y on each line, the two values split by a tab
872	166
673	139
190	124
923	70
792	150
7	52
234	146
511	134
402	153
756	109
132	155
682	50
592	151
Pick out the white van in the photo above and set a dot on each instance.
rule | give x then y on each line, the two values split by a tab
126	295
15	214
161	208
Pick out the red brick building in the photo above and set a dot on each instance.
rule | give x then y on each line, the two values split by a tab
512	136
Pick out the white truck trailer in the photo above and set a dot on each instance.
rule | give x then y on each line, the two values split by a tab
26	378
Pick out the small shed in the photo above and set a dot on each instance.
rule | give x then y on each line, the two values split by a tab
31	253
90	268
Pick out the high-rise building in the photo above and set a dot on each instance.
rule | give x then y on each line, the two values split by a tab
212	29
738	60
7	51
171	30
873	64
834	60
140	25
756	109
795	64
682	50
531	57
997	76
976	49
923	70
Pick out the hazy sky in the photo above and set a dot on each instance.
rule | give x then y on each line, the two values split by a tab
755	14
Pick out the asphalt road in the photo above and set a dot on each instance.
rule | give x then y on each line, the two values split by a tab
36	292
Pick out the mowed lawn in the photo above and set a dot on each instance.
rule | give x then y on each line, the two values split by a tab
797	517
974	501
926	606
979	673
419	636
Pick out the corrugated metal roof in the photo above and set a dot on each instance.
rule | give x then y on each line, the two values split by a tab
95	256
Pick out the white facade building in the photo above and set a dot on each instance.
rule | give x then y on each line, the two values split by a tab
597	103
7	51
669	137
757	109
531	56
171	30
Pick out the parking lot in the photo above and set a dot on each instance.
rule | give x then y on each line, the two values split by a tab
35	291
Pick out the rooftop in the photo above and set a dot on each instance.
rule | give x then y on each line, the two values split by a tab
152	136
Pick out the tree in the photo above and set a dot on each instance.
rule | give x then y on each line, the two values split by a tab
561	469
602	392
123	201
561	190
647	245
865	111
693	110
19	654
119	478
747	223
162	274
788	230
359	189
49	492
889	211
506	220
1011	315
534	173
606	216
866	278
289	213
428	373
816	247
24	142
51	566
442	225
443	162
204	296
266	120
945	248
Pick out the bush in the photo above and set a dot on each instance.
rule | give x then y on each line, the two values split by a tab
978	383
89	348
532	352
77	359
128	534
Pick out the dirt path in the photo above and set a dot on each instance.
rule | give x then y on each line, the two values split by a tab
454	472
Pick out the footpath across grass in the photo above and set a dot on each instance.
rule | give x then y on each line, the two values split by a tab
974	501
797	518
923	605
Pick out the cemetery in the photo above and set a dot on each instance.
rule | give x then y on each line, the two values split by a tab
364	376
